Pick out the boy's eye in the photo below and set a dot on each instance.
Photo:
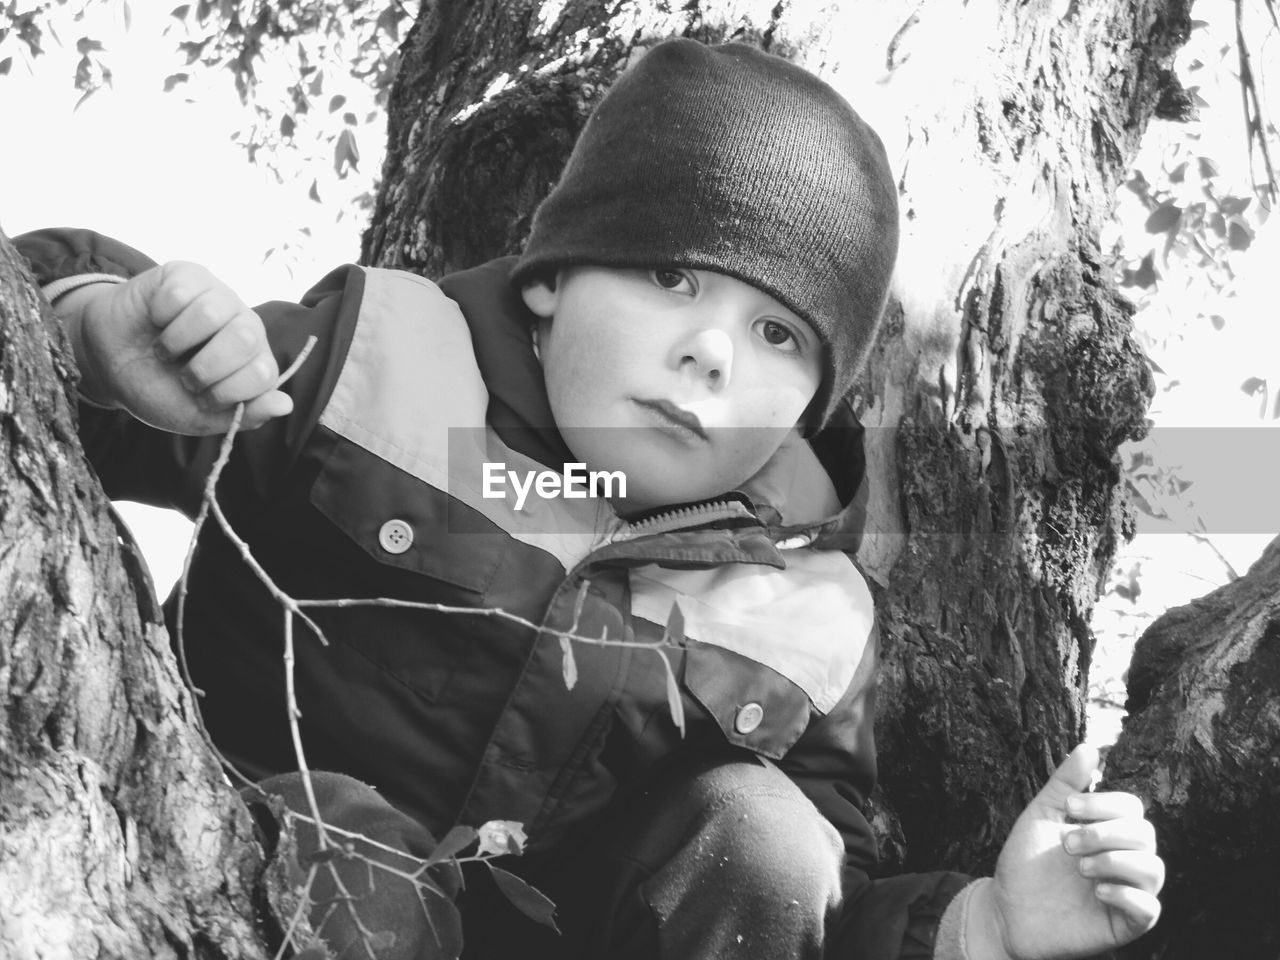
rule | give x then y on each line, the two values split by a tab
676	280
779	335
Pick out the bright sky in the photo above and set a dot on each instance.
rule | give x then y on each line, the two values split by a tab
162	174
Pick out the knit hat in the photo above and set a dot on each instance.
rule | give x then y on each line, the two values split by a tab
730	159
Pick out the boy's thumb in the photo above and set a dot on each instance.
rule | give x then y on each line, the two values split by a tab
1074	775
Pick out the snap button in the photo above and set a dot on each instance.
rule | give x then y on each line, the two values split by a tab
395	536
748	718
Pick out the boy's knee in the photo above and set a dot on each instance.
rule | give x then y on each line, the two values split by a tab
363	891
753	832
767	838
349	805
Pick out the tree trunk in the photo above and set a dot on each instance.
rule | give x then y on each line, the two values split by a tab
1005	379
119	836
1202	744
995	402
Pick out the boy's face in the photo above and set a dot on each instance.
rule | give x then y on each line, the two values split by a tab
687	381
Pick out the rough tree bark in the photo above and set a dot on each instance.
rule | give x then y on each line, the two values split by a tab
1006	378
119	835
995	402
1202	744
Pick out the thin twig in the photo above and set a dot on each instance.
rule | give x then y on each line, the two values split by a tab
283	598
480	612
304	900
1254	127
296	733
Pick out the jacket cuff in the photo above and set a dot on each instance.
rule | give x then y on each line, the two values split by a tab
951	943
65	285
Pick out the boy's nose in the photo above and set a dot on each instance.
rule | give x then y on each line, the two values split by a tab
709	354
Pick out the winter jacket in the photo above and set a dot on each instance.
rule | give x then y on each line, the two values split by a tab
374	487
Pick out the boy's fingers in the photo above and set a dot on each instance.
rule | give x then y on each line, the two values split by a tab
1104	806
266	407
1140	908
249	381
198	321
169	288
241	343
1131	833
1073	776
1136	868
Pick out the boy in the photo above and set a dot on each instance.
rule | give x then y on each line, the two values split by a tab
695	298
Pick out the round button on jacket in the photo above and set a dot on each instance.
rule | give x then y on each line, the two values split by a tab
395	536
748	718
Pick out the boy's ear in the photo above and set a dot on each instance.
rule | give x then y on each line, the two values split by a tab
540	297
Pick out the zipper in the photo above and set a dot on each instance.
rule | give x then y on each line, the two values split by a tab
695	515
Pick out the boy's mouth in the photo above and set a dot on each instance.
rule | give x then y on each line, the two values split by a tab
666	410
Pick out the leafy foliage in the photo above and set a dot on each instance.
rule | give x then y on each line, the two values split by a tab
1199	221
313	72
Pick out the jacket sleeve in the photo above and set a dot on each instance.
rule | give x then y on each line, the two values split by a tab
137	462
834	764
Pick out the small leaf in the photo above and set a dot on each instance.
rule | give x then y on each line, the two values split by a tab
532	903
445	922
350	119
673	634
314	192
79	103
1254	386
675	703
5	66
319	856
389	23
456	840
1218	321
501	837
1164	218
1234	205
1138	184
287	125
174	79
568	663
346	153
1144	276
180	13
336	102
317	84
88	45
192	50
1179	173
1239	236
579	602
1208	169
127	13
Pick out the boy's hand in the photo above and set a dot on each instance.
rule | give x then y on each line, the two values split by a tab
177	348
1069	889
